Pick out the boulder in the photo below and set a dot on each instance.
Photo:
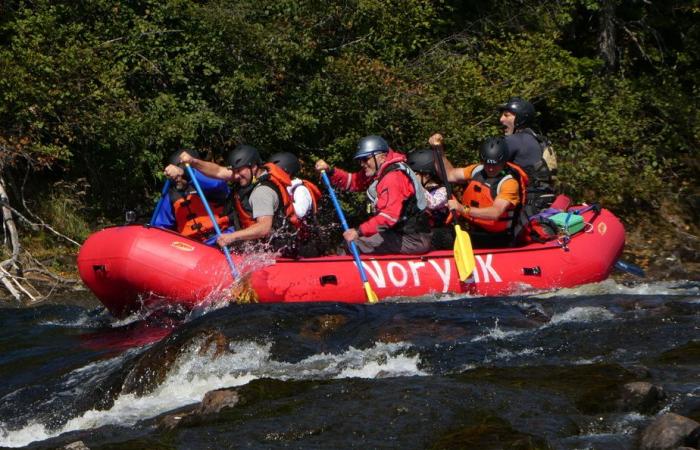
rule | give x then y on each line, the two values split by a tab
77	445
641	396
667	432
215	401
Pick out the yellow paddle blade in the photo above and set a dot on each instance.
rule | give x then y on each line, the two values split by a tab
371	296
463	253
243	292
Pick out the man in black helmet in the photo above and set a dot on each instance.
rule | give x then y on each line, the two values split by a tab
527	150
184	211
493	196
257	196
398	223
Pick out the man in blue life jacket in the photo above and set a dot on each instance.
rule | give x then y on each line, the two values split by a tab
529	151
183	210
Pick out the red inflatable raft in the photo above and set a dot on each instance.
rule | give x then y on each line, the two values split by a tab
137	266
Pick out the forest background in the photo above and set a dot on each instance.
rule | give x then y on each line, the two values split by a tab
95	94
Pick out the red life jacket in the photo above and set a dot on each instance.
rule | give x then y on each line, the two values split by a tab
191	217
279	181
481	193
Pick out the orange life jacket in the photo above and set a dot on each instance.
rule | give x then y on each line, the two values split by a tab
279	181
191	217
481	194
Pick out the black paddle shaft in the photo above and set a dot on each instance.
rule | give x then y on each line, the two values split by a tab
443	172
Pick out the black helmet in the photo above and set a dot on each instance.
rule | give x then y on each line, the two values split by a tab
371	145
287	162
494	151
422	160
175	157
243	156
524	111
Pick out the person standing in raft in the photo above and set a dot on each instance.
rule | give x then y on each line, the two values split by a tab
492	201
183	211
530	151
399	223
423	163
260	197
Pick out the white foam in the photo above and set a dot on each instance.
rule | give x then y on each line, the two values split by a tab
194	374
497	334
582	314
610	286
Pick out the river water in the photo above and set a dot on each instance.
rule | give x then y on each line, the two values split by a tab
531	371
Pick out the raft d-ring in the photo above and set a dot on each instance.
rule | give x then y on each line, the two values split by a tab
588	227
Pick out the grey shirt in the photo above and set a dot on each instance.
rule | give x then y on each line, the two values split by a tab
523	149
264	201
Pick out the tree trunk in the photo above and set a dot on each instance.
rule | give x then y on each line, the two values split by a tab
10	230
606	39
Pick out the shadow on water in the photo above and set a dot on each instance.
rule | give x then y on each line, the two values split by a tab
517	372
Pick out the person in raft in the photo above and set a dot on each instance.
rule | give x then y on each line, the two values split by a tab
398	223
184	211
492	201
529	151
305	197
260	198
423	163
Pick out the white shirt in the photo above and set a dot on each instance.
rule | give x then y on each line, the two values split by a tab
301	198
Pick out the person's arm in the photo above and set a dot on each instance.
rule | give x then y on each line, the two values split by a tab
341	179
211	186
301	198
260	229
454	174
208	168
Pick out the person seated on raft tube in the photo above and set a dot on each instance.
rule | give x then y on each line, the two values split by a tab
527	149
423	163
183	211
305	197
264	207
399	223
493	198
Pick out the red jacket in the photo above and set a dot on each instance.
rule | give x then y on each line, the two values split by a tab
392	191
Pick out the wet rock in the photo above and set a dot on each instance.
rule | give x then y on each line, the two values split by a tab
319	327
641	396
212	403
77	445
153	366
667	432
215	401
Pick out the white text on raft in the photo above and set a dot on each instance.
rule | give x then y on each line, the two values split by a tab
399	273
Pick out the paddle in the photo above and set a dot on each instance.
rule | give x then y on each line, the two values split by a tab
630	268
371	296
234	272
463	252
166	188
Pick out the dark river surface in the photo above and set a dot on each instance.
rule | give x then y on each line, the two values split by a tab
530	371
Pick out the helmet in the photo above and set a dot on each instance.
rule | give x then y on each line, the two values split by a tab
371	145
494	151
287	162
422	160
524	111
242	156
175	157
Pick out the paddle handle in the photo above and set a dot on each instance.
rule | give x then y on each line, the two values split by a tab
166	188
232	266
344	223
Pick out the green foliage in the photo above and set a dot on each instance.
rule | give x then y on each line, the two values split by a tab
107	89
